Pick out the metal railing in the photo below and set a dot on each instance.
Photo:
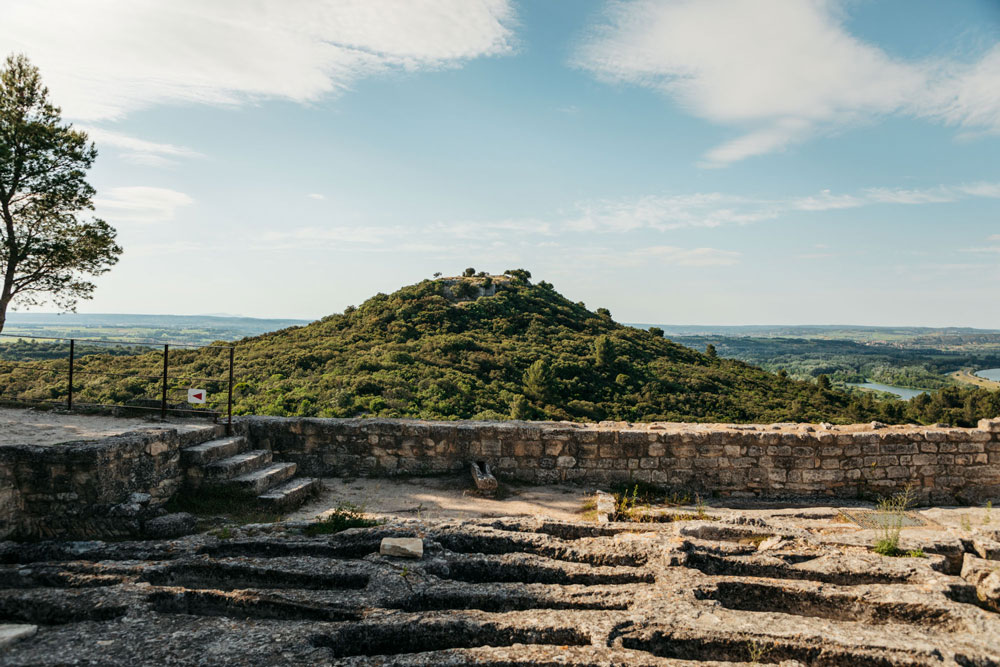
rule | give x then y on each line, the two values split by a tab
122	349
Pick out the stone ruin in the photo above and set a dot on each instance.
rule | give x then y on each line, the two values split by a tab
774	583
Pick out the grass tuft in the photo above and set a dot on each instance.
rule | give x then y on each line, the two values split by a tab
343	516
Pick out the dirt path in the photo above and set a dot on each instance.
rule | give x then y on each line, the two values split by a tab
445	497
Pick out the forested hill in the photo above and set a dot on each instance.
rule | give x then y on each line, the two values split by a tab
441	349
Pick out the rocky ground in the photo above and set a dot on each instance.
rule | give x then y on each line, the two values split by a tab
757	585
22	426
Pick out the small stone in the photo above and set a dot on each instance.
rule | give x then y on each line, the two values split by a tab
10	633
770	543
402	547
826	426
877	425
139	499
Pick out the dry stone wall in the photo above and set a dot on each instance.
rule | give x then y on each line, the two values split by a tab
88	488
779	460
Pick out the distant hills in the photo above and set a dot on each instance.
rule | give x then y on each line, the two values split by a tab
194	329
830	331
474	347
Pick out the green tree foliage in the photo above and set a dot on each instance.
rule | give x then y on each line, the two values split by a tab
536	380
47	251
656	331
519	275
604	351
469	272
466	289
823	381
604	312
711	352
526	352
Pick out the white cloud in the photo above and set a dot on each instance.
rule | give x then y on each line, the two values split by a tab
105	58
826	201
715	209
138	151
672	212
140	204
780	71
688	256
900	196
317	196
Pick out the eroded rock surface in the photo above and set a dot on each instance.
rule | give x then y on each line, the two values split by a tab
495	592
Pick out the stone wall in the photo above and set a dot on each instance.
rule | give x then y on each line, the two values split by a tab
779	460
90	488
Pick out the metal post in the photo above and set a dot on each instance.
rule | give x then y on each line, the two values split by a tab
72	353
163	402
229	422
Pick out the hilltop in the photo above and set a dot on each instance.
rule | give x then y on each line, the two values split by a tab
474	346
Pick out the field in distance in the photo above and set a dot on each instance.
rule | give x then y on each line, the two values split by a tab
188	329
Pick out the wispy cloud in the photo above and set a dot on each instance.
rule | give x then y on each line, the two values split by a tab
140	204
106	58
139	151
715	209
316	195
781	72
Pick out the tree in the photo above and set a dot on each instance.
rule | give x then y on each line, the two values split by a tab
536	380
47	250
711	352
823	380
519	275
604	312
469	272
656	331
604	351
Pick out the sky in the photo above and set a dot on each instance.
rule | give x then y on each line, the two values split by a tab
675	161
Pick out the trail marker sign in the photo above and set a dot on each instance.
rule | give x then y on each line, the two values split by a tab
197	395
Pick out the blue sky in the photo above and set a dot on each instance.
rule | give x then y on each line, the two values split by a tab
711	162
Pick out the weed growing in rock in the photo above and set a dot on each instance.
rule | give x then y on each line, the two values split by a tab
965	522
891	512
343	516
757	651
986	515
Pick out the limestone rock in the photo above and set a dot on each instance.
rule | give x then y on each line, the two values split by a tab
10	633
402	547
770	543
170	525
985	576
486	483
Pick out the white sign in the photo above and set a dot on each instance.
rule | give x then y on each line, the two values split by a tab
197	395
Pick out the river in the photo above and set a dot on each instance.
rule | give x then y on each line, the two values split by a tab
989	374
902	392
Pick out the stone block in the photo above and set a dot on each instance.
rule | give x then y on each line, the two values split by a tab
402	547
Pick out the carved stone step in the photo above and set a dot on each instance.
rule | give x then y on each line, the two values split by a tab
291	494
237	465
258	481
214	450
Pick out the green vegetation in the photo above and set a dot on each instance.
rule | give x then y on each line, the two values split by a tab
525	353
913	363
891	512
343	516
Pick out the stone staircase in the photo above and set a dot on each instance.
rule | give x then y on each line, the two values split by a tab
228	464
